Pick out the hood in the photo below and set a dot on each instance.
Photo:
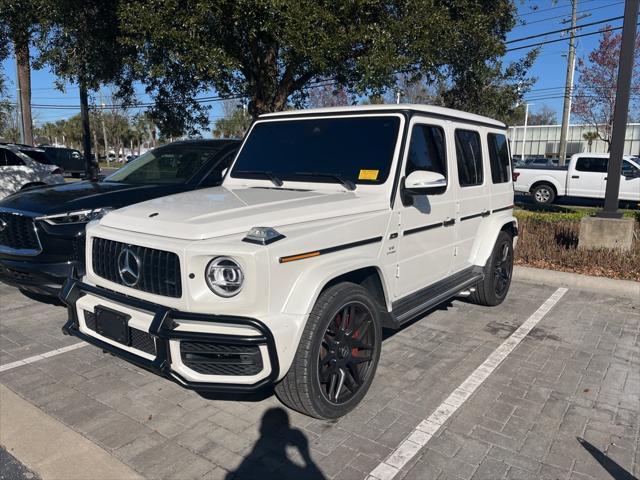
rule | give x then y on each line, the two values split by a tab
68	197
220	211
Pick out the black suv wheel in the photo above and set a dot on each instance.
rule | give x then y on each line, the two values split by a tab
337	355
497	273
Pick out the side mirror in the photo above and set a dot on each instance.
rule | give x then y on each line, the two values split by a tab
423	182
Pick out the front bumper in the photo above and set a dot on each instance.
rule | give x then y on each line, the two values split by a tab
168	329
41	278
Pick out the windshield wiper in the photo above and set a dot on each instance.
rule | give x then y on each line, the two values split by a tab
348	184
275	180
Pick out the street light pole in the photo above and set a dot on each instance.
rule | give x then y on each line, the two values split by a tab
621	112
524	132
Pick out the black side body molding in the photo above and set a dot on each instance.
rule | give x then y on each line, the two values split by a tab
419	302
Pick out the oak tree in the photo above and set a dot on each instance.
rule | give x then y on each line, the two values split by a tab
271	51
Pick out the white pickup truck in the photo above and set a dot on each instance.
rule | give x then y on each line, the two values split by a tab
584	176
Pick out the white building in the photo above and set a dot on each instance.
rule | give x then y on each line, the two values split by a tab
544	140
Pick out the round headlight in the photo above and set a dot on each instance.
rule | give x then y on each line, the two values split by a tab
224	276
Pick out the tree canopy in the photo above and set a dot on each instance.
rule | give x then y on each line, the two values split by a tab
272	51
80	41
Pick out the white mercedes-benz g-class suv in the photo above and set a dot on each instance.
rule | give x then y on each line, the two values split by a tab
329	225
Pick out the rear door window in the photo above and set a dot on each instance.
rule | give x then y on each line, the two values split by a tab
499	158
592	164
469	156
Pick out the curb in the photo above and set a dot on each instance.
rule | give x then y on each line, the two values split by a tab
609	286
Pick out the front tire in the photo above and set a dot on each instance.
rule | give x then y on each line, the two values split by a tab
497	273
337	355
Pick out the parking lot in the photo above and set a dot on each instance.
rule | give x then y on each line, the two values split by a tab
562	404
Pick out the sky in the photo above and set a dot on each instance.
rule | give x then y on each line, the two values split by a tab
534	17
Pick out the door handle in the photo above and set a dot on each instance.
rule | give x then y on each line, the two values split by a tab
575	176
448	222
485	213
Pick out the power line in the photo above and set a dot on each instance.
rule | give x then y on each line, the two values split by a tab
526	24
548	9
554	97
546	42
565	29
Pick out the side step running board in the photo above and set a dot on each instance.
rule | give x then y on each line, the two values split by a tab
423	300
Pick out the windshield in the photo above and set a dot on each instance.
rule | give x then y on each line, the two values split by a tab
38	155
352	149
173	164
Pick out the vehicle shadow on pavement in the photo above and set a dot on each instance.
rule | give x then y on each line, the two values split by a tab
615	470
268	460
55	301
257	396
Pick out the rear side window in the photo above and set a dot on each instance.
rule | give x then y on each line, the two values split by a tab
592	164
628	170
499	158
12	159
469	155
427	150
38	155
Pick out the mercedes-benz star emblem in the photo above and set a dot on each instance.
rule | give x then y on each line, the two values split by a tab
3	225
129	267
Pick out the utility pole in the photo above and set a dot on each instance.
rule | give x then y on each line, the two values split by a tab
19	104
621	112
568	87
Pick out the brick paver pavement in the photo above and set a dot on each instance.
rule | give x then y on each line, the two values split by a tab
563	405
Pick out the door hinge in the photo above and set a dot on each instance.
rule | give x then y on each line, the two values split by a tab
397	271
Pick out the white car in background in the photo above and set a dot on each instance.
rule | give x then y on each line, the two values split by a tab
584	176
18	170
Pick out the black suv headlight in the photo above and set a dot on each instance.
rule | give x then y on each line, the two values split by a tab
79	216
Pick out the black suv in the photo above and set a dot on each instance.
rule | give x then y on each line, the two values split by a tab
69	159
42	231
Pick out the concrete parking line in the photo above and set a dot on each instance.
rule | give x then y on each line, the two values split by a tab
419	437
42	356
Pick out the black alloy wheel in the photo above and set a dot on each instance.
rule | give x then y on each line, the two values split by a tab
503	268
498	271
345	357
337	355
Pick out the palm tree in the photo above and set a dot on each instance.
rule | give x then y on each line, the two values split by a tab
590	137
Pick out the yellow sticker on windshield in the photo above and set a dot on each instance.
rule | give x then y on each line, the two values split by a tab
368	174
